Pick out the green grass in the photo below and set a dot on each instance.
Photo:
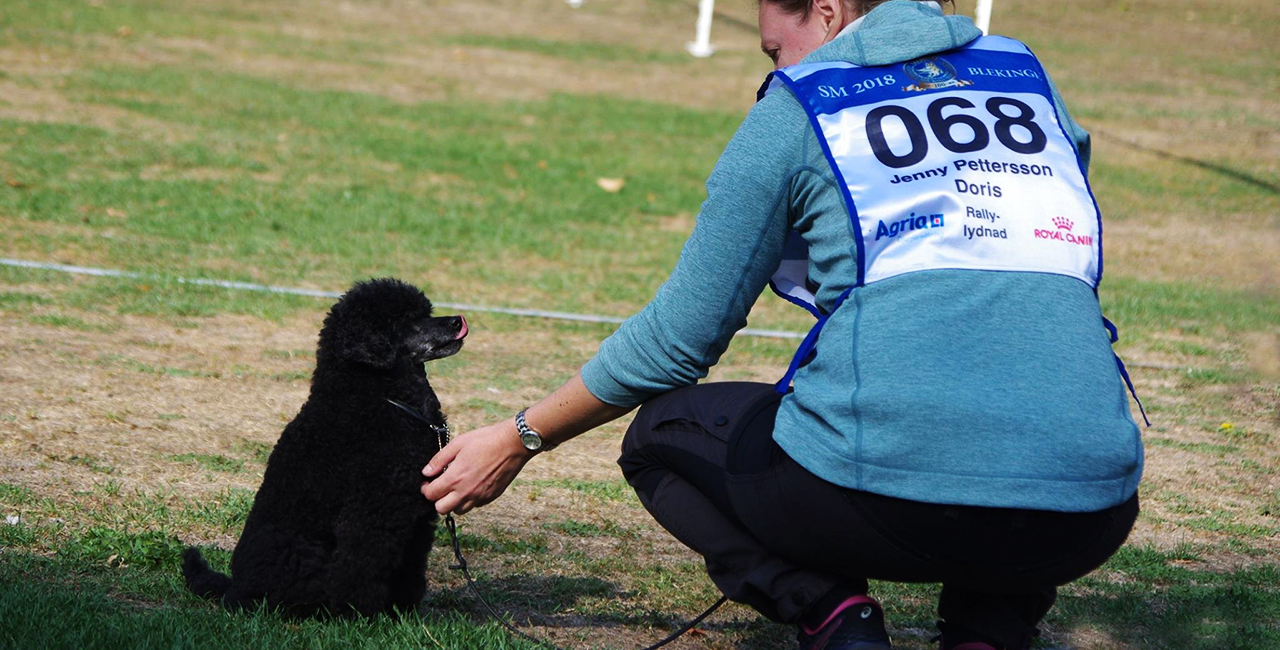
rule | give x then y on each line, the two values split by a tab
49	22
282	230
500	542
126	574
71	322
1183	189
149	548
47	604
15	494
1163	601
107	507
1198	447
257	451
212	462
1142	307
574	528
616	490
18	300
571	50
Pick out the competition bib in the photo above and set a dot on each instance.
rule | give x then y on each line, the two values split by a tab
955	161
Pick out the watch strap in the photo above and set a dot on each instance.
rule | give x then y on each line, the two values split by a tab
523	428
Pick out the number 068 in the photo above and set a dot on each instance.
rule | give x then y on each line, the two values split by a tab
942	126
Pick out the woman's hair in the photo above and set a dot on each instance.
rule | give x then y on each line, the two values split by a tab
802	7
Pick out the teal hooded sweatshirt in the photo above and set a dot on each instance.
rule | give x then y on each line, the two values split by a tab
963	387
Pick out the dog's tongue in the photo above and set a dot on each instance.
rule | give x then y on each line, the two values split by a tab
462	333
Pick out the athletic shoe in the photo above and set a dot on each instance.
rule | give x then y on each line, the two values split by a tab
855	624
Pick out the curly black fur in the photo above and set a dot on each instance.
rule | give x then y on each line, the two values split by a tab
339	525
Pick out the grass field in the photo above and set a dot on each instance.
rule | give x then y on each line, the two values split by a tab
458	146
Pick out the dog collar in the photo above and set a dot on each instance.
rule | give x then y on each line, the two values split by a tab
442	432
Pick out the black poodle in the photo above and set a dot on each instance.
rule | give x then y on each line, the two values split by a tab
339	525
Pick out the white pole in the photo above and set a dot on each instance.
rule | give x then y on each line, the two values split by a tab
701	47
983	19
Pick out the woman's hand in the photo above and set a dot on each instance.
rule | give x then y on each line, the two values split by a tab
475	468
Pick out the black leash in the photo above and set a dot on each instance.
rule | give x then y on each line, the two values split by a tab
442	434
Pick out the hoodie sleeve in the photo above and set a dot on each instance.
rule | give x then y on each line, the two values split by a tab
727	261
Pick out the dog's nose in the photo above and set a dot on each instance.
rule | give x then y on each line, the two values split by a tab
459	323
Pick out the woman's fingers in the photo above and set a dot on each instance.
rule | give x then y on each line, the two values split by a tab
434	490
448	504
442	458
440	481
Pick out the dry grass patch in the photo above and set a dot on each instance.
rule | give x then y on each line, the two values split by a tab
1232	250
138	396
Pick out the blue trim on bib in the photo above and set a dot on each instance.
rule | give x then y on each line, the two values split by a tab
1124	372
807	346
1111	329
854	222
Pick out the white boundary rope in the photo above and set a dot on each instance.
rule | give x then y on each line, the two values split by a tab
316	293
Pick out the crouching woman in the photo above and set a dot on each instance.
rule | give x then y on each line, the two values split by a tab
955	416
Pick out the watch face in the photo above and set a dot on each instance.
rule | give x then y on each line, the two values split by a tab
531	441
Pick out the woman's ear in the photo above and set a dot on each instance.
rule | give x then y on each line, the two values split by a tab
832	14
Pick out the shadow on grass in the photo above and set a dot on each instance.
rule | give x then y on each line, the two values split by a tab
565	603
553	601
527	599
1238	614
1246	178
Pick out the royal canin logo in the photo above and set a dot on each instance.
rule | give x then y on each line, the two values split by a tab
1063	233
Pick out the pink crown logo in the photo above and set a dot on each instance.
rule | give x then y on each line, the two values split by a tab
1063	223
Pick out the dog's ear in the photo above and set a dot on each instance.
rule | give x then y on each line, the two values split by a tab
369	347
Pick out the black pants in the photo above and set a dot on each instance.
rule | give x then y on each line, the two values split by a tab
778	538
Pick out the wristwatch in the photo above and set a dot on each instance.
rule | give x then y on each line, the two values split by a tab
532	440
